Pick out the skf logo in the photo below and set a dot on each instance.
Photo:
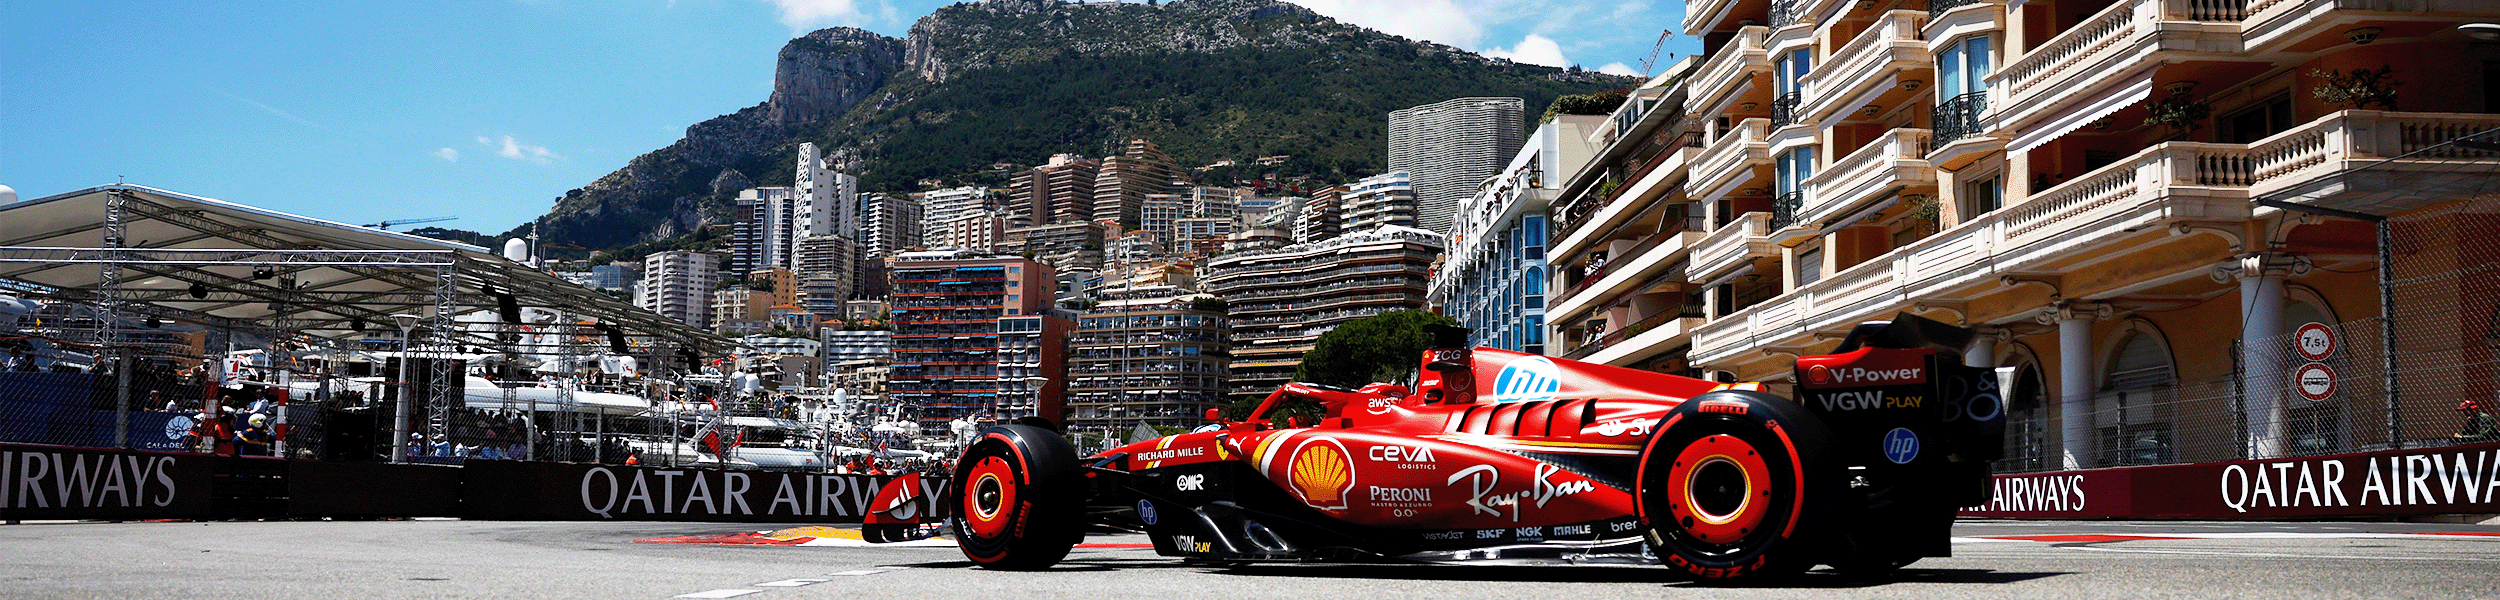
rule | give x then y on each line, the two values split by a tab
1321	474
1190	483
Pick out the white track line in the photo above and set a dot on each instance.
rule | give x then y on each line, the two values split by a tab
2278	555
732	593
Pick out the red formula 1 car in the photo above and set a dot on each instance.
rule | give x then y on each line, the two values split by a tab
1504	457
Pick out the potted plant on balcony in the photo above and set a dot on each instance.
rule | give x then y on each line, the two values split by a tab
2359	89
2181	113
1925	213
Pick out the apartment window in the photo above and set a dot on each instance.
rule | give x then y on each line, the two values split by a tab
1983	196
1809	267
1795	166
1790	67
2265	118
1962	68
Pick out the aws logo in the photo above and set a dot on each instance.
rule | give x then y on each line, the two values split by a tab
1321	473
1527	379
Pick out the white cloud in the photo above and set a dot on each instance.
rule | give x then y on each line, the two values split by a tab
809	15
513	149
448	154
1534	49
1617	68
1431	20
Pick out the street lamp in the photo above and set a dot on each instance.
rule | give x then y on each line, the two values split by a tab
399	422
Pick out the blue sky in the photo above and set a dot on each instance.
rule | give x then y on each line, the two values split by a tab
362	110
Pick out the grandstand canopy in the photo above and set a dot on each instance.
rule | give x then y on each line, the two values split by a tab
201	260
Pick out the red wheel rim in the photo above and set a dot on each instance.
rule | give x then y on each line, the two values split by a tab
1719	490
988	497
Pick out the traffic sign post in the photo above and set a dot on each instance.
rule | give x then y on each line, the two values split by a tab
2315	381
2314	341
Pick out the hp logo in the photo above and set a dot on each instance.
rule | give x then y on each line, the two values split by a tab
1527	379
1900	445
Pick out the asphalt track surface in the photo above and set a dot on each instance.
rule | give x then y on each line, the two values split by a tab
484	559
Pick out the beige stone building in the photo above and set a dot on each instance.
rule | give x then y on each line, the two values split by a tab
2137	202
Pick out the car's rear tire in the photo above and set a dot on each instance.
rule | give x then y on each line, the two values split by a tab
1736	485
1018	496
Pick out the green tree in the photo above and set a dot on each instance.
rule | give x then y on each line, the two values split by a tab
1382	347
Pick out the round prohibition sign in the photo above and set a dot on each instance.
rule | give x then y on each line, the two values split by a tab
2314	341
2315	381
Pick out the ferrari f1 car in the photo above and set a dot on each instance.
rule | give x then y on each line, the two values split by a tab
1511	458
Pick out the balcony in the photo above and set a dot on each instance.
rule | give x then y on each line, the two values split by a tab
1893	162
2105	209
1739	243
1734	65
1784	109
1658	251
1732	158
2287	25
1871	68
1639	341
2112	46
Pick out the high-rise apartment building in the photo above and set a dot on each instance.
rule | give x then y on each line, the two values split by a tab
1065	246
827	199
754	210
888	225
1284	298
1451	146
948	311
1322	216
942	206
2132	202
1124	181
1384	200
981	231
1493	278
828	272
678	284
741	311
1059	191
1151	360
1032	367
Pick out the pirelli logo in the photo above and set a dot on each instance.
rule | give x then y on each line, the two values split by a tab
1721	407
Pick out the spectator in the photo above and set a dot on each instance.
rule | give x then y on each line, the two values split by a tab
2480	425
254	440
20	362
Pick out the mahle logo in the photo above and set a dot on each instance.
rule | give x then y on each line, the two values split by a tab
1528	379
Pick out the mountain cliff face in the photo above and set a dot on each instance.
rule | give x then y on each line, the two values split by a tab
1017	80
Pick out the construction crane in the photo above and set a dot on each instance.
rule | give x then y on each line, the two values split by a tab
1649	65
386	225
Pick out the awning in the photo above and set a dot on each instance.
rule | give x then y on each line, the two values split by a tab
2114	100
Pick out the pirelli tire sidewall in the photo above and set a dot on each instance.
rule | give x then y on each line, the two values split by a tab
1017	498
1737	485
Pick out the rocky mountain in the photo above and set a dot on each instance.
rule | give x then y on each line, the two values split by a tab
1014	81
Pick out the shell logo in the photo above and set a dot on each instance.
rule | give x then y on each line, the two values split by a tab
1819	375
1321	474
